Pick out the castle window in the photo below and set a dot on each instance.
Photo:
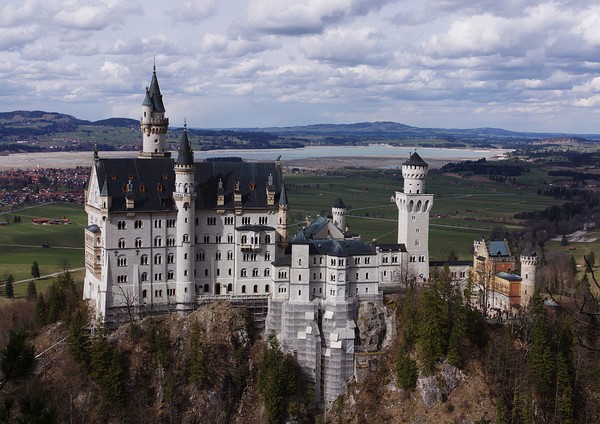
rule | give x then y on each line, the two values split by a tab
218	256
267	256
356	261
229	254
144	277
229	238
121	278
121	261
157	242
121	243
138	242
171	223
385	259
229	287
367	260
255	272
413	258
199	256
121	225
144	260
255	288
206	272
228	220
137	224
262	220
243	272
417	242
421	258
217	239
267	239
218	272
246	220
366	276
171	241
186	238
206	239
267	272
267	288
170	292
142	187
170	275
157	259
145	292
206	289
394	259
171	258
157	223
244	239
211	220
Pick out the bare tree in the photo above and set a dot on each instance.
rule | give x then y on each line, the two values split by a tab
130	301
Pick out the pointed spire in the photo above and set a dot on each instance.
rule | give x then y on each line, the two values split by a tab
282	196
96	157
154	93
186	155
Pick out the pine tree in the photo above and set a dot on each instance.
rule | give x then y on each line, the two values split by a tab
35	270
31	291
590	260
8	288
40	311
540	355
406	371
17	359
106	369
573	266
78	341
564	390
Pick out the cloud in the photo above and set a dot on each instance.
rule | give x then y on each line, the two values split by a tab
346	46
194	11
294	17
223	46
95	17
16	38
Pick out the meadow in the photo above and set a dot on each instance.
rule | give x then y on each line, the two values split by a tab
22	243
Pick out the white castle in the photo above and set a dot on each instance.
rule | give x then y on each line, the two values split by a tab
167	234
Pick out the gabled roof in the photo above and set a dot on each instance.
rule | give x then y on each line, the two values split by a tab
498	248
283	196
391	247
315	226
415	160
151	187
250	178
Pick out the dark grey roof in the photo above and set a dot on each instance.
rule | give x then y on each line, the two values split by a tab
92	228
254	228
315	226
300	238
154	94
339	203
415	160
186	155
251	178
283	261
498	248
391	247
340	247
152	181
509	277
282	196
441	264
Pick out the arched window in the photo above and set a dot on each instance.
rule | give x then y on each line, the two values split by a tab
144	260
243	272
144	276
244	239
121	261
206	288
157	259
255	272
267	288
157	242
267	272
255	288
229	288
267	239
138	242
121	243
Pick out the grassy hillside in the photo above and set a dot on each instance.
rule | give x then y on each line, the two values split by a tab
21	243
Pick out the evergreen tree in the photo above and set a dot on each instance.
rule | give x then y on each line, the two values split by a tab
590	260
17	359
35	270
31	291
78	341
406	371
106	369
276	380
8	288
564	390
573	266
540	355
40	311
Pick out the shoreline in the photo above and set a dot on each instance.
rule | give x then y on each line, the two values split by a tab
85	158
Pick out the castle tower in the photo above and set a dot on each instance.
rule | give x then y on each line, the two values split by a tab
153	123
413	217
338	212
185	197
528	268
282	219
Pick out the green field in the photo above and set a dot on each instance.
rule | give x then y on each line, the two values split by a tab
464	209
21	243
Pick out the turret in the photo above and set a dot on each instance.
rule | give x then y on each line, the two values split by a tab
282	219
185	197
414	171
153	123
528	268
338	212
414	206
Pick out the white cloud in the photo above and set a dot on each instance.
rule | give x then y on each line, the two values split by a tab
194	11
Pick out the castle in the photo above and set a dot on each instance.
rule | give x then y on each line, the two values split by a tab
166	234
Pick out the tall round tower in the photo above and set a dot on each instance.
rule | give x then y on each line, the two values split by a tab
338	212
185	198
154	125
528	268
414	206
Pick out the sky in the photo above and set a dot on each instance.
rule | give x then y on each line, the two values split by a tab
516	64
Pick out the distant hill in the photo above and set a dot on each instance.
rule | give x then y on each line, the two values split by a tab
39	130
